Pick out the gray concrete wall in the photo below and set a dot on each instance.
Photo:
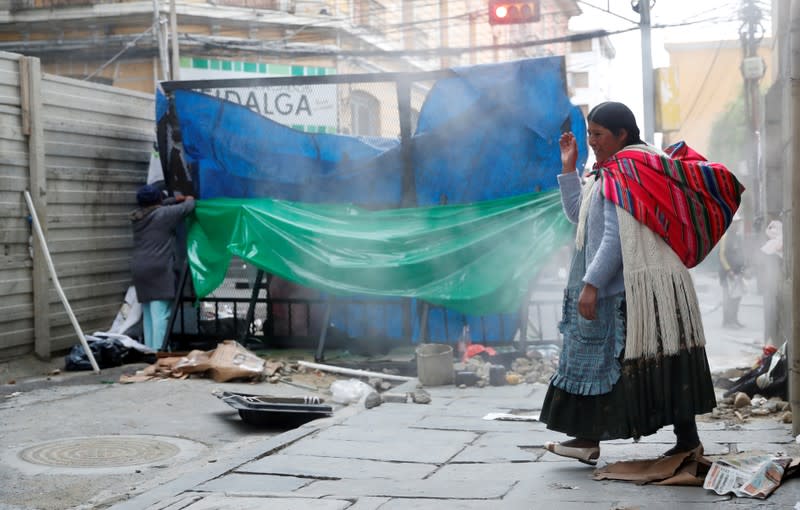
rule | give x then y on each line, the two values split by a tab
777	149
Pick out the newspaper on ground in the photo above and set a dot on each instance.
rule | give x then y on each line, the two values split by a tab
753	476
512	417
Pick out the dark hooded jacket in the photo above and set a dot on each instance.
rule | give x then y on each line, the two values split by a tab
153	257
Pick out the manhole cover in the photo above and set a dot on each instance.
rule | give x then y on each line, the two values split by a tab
100	452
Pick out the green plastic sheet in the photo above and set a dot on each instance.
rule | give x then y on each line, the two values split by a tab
475	258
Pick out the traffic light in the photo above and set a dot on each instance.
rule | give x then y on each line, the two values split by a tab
509	12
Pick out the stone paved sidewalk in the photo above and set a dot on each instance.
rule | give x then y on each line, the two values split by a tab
446	456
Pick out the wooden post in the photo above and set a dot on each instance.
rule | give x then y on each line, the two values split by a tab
30	79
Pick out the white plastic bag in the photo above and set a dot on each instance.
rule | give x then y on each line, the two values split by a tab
349	391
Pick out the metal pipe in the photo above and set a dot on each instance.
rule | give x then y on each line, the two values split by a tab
37	227
353	372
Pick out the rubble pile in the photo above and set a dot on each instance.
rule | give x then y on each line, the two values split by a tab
417	396
741	407
201	364
534	367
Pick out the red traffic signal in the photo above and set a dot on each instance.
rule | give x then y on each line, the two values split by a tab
504	12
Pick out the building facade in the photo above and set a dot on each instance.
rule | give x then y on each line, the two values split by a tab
708	80
131	43
588	68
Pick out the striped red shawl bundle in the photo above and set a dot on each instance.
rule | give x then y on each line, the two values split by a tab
682	197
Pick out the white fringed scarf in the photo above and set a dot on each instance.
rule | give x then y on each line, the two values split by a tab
655	279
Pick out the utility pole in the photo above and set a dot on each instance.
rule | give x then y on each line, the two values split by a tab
473	39
751	32
173	32
648	89
793	356
160	39
444	35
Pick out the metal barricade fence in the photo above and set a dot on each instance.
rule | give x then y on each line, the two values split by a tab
252	306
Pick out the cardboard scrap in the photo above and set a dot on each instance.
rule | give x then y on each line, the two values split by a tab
273	367
755	476
194	362
687	468
163	368
229	361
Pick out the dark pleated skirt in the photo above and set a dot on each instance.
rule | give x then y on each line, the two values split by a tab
649	394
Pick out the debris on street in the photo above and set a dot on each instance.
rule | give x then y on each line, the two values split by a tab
229	361
535	366
512	417
348	391
767	377
749	476
268	410
740	408
353	372
109	350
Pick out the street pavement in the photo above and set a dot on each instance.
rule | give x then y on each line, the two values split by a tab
445	455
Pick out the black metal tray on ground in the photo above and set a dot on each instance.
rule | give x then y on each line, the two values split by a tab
276	411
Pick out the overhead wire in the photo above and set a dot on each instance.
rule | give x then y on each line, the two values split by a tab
402	27
130	44
608	11
388	29
708	73
732	17
276	46
280	46
308	52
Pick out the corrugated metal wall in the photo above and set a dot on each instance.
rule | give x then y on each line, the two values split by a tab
95	143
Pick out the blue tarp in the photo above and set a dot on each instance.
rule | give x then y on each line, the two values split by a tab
490	131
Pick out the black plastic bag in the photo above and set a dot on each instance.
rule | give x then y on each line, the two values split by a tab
769	378
107	352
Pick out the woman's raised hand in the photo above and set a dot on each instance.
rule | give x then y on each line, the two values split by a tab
569	152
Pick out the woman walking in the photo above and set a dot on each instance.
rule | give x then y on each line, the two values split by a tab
633	358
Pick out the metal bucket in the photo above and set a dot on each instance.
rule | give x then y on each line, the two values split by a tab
435	364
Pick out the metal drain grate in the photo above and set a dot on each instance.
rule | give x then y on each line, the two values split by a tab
100	452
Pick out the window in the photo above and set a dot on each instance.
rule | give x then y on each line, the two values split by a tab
364	110
581	46
369	13
580	80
